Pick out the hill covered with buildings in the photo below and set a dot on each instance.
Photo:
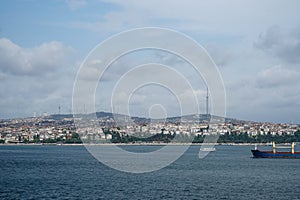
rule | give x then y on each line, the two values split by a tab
117	128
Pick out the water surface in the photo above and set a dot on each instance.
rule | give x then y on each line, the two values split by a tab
70	172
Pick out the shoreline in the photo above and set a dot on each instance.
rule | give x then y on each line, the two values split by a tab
138	144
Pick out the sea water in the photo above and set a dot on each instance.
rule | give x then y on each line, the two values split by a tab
70	172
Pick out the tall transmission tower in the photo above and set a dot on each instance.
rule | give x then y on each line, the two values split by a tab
207	99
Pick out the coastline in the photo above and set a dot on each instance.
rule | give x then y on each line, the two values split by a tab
137	144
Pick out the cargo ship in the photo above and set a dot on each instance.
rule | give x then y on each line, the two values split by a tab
277	154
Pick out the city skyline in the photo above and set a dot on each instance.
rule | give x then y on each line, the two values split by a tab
255	45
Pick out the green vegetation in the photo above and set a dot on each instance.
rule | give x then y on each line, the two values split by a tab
36	139
227	138
160	137
71	139
74	138
245	138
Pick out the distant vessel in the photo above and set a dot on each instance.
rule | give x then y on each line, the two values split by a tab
277	154
208	149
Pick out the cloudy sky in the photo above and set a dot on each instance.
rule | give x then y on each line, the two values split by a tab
255	44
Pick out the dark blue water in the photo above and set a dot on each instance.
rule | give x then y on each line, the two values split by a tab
70	172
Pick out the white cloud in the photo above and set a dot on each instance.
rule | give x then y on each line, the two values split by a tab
35	79
75	4
227	29
222	56
210	18
276	77
284	44
39	60
272	94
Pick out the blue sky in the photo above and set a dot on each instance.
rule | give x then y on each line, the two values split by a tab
255	44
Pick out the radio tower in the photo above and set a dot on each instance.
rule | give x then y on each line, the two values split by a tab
59	109
207	100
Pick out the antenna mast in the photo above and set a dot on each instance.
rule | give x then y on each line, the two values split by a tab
207	100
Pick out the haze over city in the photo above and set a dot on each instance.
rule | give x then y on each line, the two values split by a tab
256	46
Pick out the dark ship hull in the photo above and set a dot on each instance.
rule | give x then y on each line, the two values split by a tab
271	154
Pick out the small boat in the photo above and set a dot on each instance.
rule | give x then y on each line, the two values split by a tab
208	149
277	154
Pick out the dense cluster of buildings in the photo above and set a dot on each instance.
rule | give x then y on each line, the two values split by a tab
61	128
34	129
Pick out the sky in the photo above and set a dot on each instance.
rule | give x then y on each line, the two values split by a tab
255	45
